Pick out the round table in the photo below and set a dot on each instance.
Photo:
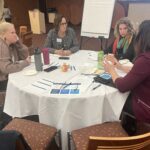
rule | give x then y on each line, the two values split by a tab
31	95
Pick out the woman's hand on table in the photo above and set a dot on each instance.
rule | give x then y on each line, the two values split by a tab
66	52
62	52
111	58
59	52
110	68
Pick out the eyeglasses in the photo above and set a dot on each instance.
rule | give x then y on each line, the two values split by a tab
65	23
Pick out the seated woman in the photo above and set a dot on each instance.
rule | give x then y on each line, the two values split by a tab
61	40
122	47
13	54
137	79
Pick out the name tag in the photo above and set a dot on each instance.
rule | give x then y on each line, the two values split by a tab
59	40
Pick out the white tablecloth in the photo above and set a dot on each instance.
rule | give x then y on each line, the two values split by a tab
64	111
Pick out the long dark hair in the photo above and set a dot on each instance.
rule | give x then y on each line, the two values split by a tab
142	40
57	21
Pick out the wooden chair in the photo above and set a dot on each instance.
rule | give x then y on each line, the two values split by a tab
79	138
27	40
22	30
141	142
38	136
108	135
26	37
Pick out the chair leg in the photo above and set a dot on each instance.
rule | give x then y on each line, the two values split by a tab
69	140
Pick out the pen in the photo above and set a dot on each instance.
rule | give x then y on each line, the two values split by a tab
67	85
88	74
74	67
38	87
43	83
89	85
48	81
62	83
96	87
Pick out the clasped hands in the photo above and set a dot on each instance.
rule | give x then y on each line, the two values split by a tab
110	63
62	52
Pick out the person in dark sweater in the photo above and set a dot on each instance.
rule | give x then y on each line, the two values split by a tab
122	47
137	79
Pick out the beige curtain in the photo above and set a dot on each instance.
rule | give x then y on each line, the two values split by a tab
1	9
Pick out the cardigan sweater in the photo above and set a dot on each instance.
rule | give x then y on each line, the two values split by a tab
12	58
68	42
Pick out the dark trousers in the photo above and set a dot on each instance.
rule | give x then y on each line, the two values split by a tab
128	105
127	117
4	118
3	85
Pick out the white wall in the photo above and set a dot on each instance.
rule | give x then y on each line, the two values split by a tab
138	12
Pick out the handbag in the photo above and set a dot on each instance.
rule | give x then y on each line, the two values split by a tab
129	123
102	80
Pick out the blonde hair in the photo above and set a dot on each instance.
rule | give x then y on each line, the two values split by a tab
128	23
4	26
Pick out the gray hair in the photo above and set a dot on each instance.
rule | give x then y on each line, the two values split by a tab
4	26
128	23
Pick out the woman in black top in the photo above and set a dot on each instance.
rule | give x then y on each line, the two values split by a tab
122	47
